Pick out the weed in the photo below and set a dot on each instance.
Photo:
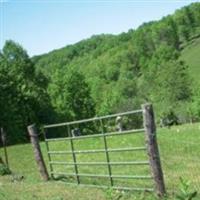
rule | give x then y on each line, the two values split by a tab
185	191
4	170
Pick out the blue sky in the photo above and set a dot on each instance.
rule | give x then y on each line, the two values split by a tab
43	25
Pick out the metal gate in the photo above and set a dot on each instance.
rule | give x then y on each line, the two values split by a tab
56	147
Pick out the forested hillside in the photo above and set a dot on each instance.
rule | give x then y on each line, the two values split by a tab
141	65
107	74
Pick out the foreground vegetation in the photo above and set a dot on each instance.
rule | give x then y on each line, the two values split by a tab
179	148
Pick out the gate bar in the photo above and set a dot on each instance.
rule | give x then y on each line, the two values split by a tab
100	163
99	150
104	175
114	187
92	119
49	156
98	135
107	154
73	155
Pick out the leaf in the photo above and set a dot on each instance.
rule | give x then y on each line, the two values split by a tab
192	195
180	197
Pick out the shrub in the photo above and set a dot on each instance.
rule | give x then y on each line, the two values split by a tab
4	170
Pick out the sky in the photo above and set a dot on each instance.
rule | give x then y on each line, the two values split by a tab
43	25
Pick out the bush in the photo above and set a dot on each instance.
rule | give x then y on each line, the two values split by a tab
4	170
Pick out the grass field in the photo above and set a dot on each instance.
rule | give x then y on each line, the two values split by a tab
179	149
191	55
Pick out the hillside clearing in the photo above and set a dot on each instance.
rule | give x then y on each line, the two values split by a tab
191	55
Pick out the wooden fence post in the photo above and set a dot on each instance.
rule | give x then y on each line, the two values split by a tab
152	148
3	139
37	151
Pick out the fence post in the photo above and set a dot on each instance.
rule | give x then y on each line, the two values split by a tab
152	148
3	139
37	151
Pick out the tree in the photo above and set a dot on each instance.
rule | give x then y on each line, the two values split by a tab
22	91
70	95
167	83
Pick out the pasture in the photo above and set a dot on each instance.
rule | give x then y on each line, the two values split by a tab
179	150
190	55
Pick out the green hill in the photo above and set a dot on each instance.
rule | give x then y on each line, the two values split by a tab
128	69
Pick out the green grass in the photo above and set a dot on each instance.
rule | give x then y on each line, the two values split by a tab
191	55
179	149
